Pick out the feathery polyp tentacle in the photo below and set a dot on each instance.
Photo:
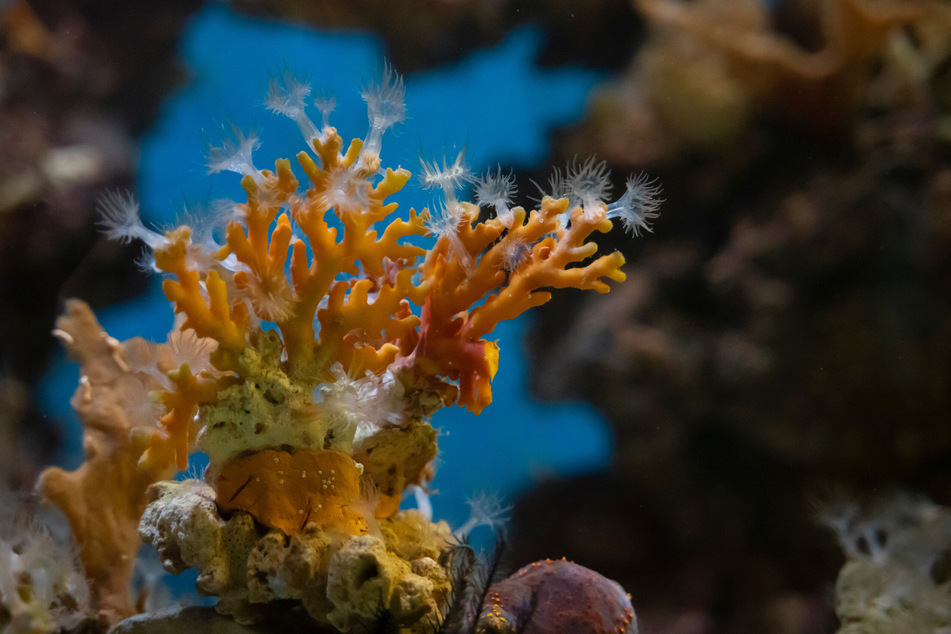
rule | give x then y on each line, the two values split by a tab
385	108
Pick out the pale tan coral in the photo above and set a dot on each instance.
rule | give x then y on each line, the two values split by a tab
105	497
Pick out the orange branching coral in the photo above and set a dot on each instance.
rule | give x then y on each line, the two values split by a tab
450	341
341	295
322	421
365	280
314	428
176	437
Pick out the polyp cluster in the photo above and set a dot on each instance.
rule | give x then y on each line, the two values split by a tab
311	349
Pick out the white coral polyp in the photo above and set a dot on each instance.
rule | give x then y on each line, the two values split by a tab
368	402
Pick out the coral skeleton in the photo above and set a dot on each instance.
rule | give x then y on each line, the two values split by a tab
311	347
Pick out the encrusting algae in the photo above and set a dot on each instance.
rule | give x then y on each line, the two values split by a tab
309	352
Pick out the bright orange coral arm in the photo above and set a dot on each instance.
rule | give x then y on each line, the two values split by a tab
551	266
212	318
451	335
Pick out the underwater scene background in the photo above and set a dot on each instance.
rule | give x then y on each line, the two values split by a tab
750	433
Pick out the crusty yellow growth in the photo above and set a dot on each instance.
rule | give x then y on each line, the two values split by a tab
396	457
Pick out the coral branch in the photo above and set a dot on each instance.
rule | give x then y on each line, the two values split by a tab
215	317
548	267
451	341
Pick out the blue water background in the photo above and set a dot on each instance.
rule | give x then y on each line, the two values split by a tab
494	101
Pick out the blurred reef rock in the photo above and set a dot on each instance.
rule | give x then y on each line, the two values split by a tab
898	565
789	329
426	33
